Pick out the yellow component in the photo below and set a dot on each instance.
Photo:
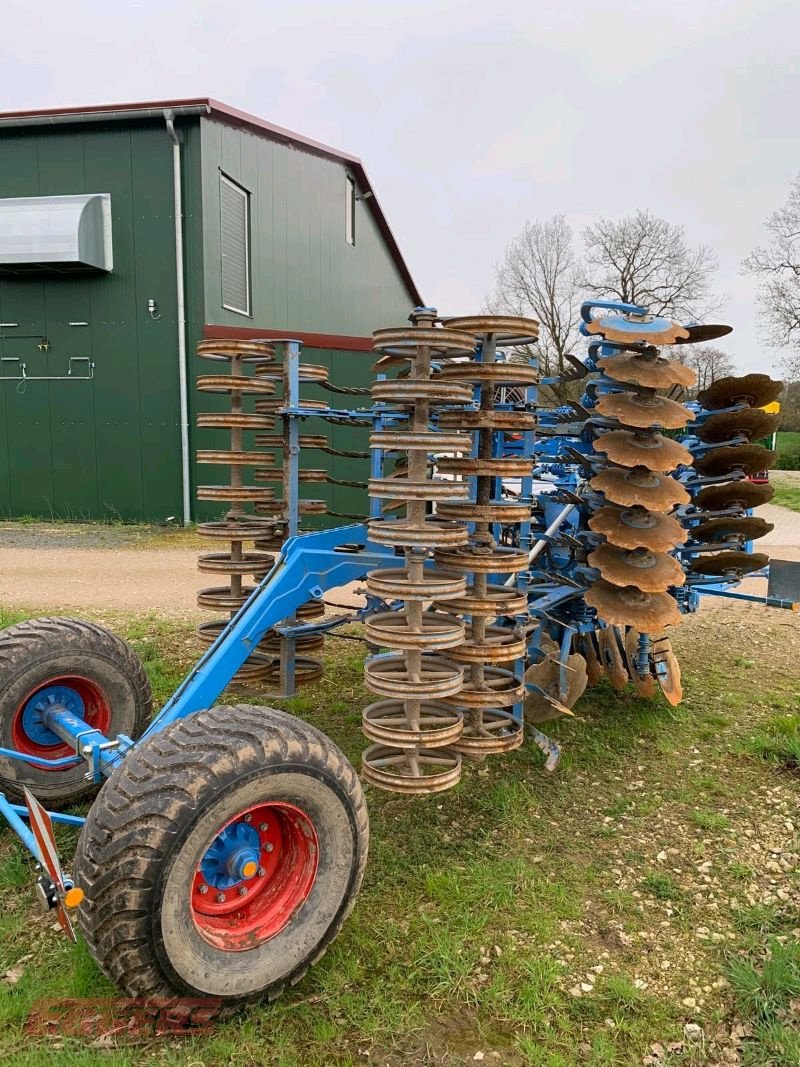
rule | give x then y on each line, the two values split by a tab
73	897
773	408
249	869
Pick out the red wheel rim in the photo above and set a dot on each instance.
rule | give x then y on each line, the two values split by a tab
244	913
97	714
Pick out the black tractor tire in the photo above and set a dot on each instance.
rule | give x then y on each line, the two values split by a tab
36	652
146	834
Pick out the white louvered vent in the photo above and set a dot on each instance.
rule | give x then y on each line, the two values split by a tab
235	226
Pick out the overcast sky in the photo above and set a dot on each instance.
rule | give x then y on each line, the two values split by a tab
473	117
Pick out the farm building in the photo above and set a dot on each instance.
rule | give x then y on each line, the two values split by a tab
130	232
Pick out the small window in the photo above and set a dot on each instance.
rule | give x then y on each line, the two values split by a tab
234	208
350	210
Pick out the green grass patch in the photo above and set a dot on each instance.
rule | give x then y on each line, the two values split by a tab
778	742
788	446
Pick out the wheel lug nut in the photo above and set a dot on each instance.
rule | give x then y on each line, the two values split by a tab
248	818
242	890
268	847
263	827
203	889
261	872
220	898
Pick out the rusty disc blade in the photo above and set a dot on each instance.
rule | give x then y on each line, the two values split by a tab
753	389
738	494
669	676
729	458
541	708
644	409
508	329
649	371
640	486
611	657
629	606
752	423
644	684
748	528
588	650
731	563
649	329
652	572
700	333
637	527
642	449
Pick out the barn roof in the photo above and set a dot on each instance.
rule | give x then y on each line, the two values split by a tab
233	117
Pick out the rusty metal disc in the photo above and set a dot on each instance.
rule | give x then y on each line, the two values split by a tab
496	601
311	609
588	650
427	771
247	351
278	507
630	606
404	341
644	684
271	642
496	511
733	563
407	392
702	332
752	423
389	674
433	533
644	409
652	572
490	733
649	371
507	329
222	597
431	441
499	645
631	329
233	383
753	389
639	486
235	493
483	560
275	440
747	528
610	645
233	458
501	467
638	527
402	488
306	671
738	494
643	449
435	584
241	528
499	689
519	421
491	373
224	563
545	706
432	725
234	420
729	458
669	675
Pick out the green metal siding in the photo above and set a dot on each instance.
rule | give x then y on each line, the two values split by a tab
305	276
109	447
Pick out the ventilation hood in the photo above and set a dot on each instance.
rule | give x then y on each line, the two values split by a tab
58	233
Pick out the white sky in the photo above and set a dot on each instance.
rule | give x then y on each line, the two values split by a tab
470	116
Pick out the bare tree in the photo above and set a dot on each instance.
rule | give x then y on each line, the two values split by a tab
778	267
538	276
707	361
642	259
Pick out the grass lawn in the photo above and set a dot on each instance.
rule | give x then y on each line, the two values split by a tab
787	495
788	447
638	907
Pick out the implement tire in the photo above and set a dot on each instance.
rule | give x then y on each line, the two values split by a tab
167	912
